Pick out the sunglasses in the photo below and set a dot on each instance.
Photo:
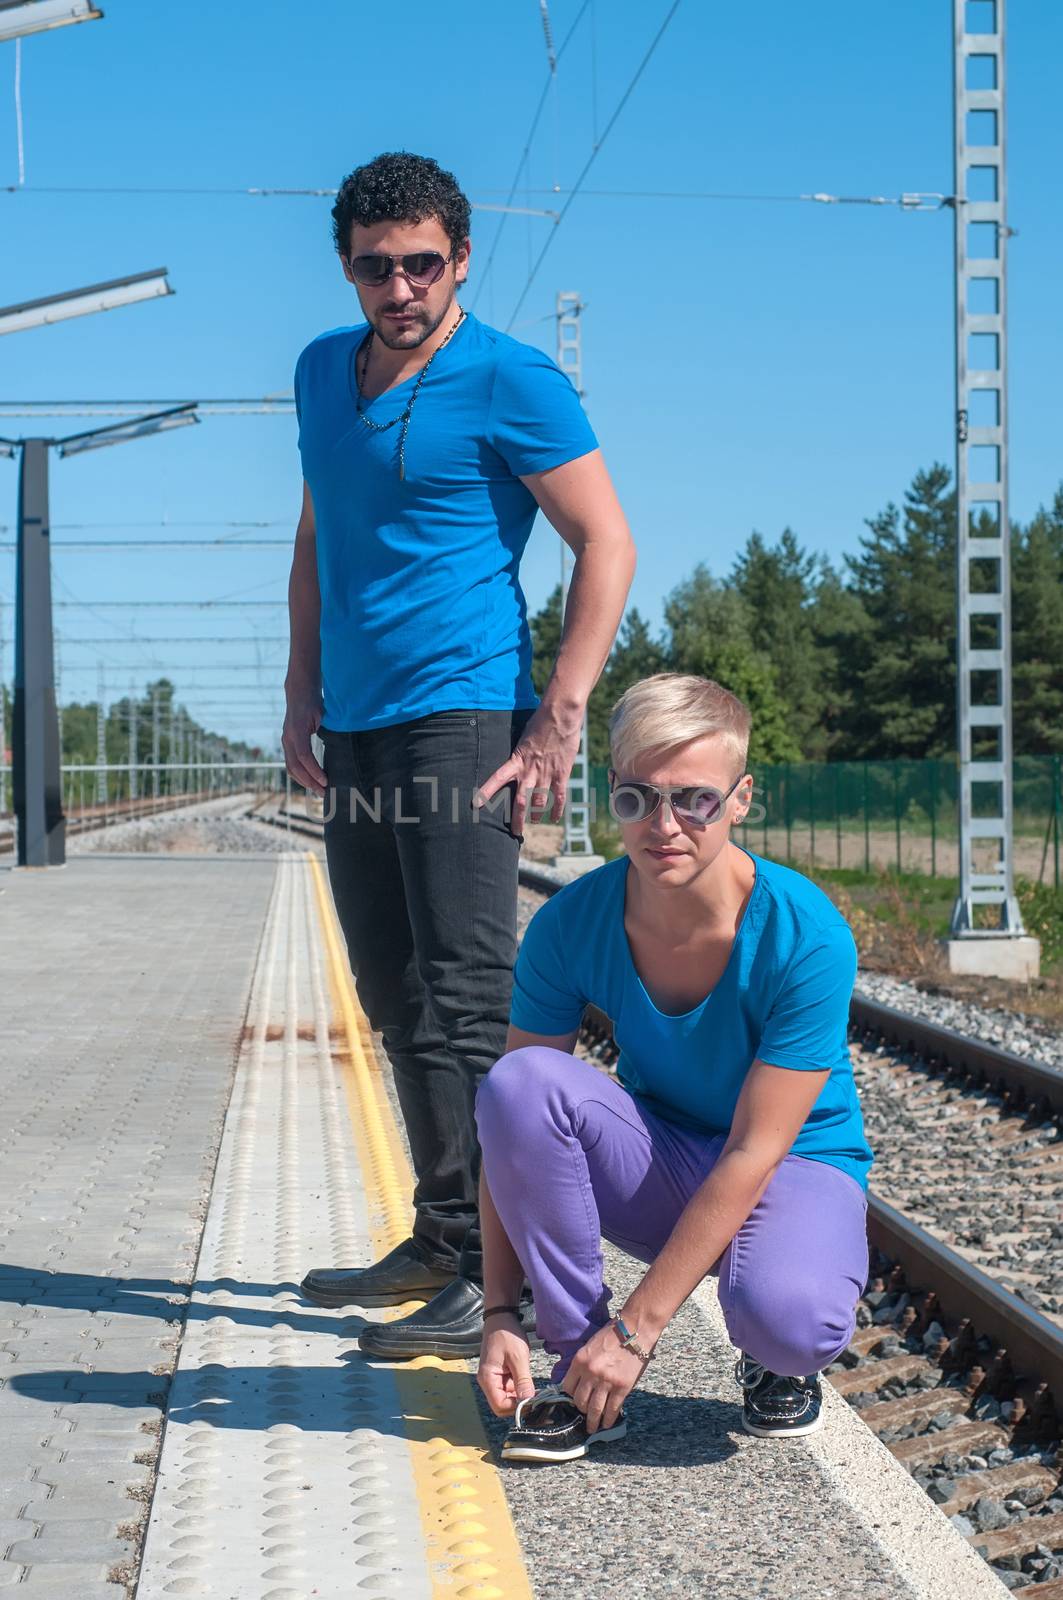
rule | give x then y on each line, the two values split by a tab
700	804
423	267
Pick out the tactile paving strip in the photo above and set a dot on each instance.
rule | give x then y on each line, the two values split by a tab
472	1546
285	1470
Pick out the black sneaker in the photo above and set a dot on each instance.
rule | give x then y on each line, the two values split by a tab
549	1427
774	1407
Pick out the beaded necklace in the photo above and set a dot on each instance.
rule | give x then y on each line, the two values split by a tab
404	417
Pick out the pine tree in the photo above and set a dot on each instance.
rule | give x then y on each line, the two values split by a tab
711	634
1037	632
904	673
776	582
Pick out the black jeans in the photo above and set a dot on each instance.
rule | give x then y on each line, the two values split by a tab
426	891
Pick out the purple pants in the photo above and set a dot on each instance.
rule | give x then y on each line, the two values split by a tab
569	1156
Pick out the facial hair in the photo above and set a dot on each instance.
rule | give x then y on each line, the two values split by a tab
400	339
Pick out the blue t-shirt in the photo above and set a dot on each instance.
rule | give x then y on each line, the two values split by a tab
783	997
421	605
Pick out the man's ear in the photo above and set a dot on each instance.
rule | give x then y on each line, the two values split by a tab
461	261
345	264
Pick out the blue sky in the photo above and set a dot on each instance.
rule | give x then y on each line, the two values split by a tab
747	365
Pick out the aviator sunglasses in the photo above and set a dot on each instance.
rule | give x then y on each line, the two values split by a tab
422	267
699	804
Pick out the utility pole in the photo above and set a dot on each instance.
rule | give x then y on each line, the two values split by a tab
155	741
132	742
35	741
101	739
578	847
983	676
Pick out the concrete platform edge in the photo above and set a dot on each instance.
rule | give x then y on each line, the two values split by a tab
916	1540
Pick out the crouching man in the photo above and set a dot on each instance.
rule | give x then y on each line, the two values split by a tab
731	1140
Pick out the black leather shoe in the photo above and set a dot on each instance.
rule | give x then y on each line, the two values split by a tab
450	1325
405	1273
774	1407
549	1427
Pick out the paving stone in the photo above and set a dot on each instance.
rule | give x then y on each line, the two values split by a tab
40	1586
12	1528
66	1580
104	1170
77	1540
22	1496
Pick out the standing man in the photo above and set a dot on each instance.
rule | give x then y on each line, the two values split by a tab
428	442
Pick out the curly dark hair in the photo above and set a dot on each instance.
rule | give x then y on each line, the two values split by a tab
400	187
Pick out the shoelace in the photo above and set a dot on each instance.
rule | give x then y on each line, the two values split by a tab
552	1391
749	1373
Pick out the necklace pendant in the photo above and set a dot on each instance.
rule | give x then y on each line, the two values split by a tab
402	471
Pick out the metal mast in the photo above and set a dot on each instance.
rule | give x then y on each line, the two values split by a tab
983	679
570	360
35	734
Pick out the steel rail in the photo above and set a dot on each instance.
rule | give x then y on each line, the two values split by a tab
1034	1344
998	1069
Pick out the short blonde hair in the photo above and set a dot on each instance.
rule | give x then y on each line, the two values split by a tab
671	709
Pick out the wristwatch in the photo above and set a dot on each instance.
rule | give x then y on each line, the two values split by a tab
630	1341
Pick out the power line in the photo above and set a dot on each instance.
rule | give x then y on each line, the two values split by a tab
200	190
282	406
658	36
159	544
524	156
156	605
192	638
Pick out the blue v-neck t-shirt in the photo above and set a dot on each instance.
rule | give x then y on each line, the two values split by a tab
421	604
783	997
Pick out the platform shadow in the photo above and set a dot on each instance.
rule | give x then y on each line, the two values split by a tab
418	1405
167	1299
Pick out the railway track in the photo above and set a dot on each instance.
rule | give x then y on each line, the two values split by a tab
96	817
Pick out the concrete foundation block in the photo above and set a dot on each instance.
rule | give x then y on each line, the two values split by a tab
996	957
574	866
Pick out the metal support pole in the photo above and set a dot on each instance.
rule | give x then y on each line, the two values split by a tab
35	738
132	743
155	742
981	234
101	743
577	811
3	747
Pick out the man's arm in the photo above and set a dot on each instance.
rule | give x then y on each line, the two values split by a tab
302	685
579	500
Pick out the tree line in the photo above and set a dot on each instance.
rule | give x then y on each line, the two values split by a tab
849	662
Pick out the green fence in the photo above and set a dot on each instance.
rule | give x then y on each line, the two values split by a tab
900	814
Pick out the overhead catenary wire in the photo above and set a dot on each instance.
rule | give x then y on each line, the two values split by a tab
159	544
69	641
624	98
484	276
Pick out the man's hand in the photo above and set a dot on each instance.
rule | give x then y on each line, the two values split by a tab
540	765
602	1375
505	1366
301	719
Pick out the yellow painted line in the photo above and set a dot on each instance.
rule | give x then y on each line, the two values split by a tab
473	1550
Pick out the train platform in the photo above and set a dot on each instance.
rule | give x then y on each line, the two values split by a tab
195	1111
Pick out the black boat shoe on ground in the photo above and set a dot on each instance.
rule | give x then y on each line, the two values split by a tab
405	1273
450	1325
774	1407
550	1427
